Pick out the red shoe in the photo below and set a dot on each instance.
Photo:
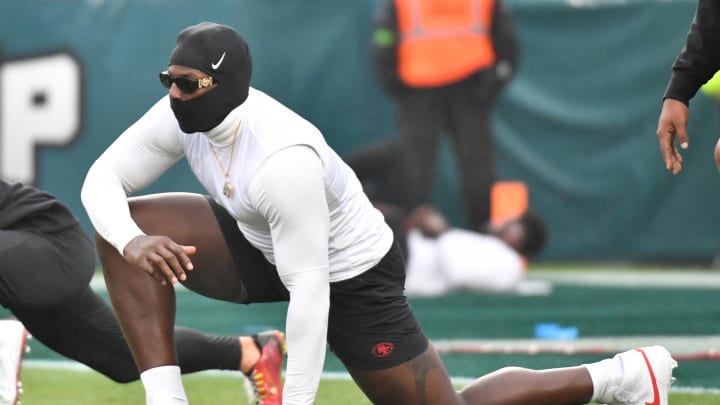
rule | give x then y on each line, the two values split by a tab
266	375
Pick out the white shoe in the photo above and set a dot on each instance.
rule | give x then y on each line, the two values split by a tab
13	346
647	375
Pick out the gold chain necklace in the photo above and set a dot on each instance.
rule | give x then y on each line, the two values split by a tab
227	188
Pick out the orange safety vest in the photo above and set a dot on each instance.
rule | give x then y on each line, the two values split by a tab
443	41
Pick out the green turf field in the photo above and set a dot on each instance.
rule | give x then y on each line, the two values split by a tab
612	311
70	387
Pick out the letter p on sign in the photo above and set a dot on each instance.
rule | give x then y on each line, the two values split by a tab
39	105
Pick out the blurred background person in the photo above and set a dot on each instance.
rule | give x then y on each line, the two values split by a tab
445	63
443	259
712	89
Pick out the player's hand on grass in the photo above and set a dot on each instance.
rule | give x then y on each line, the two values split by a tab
160	256
672	124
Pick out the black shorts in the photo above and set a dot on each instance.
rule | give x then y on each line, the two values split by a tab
371	325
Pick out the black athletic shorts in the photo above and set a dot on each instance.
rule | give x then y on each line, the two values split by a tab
371	325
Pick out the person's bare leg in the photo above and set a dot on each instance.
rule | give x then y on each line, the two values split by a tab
424	381
420	381
514	385
146	309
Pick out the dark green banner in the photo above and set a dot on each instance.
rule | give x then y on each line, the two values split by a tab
577	124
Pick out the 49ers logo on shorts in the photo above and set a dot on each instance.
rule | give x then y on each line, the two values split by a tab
383	349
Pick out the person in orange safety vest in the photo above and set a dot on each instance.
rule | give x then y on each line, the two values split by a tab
445	62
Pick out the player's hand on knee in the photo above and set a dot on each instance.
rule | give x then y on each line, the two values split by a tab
160	256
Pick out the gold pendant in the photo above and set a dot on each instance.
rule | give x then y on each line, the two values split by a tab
227	190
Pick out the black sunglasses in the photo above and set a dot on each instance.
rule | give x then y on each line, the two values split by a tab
187	86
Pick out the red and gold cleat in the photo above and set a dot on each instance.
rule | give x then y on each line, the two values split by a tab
266	375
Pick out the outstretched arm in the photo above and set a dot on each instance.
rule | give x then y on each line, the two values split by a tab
289	191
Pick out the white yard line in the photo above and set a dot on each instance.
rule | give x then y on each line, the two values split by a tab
630	277
682	347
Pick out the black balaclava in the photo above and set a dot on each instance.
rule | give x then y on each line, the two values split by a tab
222	53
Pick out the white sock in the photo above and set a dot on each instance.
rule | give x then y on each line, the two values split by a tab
163	386
606	376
